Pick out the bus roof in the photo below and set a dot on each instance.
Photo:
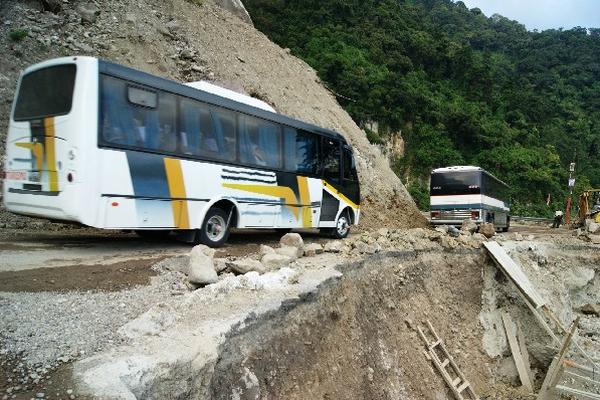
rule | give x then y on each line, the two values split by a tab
144	78
464	168
457	168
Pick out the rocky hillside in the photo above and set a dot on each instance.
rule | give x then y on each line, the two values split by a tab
188	41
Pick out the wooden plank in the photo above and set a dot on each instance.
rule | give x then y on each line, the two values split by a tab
462	387
514	273
445	362
456	381
578	393
585	379
524	351
557	322
556	368
523	367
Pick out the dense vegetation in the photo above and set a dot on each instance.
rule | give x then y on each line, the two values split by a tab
461	87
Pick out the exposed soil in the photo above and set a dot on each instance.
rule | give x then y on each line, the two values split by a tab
358	339
111	277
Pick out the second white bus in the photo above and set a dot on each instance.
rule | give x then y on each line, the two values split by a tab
467	192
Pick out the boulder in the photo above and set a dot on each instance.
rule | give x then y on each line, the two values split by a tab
312	249
201	269
453	231
88	13
292	240
593	228
220	264
264	249
245	265
274	261
595	239
517	236
383	232
442	229
290	251
468	225
367	248
334	246
487	230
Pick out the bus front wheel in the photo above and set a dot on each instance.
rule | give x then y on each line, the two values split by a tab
215	228
342	226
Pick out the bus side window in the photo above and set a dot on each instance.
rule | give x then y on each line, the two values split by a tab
189	127
260	142
331	160
117	125
301	151
223	139
167	139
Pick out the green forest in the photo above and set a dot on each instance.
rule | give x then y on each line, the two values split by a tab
462	88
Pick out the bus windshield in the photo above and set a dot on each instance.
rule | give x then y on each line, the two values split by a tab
455	183
45	93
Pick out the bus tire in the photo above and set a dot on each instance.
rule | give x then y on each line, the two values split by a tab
505	229
342	226
215	230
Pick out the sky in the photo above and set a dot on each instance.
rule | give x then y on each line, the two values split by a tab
543	14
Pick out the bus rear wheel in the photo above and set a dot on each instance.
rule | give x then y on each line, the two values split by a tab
215	229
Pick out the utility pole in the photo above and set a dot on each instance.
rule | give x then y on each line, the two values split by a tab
571	186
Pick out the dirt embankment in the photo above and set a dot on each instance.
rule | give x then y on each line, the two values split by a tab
357	338
180	40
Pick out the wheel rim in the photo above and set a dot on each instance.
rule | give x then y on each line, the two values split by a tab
216	228
342	226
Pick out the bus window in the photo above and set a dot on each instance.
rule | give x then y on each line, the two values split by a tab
260	142
223	138
349	172
301	150
117	123
331	160
167	139
189	127
45	92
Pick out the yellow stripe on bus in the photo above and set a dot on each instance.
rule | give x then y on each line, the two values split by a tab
340	195
276	191
177	191
51	153
305	201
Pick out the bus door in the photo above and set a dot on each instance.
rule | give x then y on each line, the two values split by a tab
332	176
350	185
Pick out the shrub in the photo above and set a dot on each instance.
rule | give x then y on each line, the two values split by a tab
17	35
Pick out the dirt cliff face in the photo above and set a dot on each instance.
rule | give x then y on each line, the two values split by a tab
184	41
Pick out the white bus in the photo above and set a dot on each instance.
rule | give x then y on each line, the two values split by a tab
110	147
460	193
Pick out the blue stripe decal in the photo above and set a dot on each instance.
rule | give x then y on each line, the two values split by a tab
148	175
